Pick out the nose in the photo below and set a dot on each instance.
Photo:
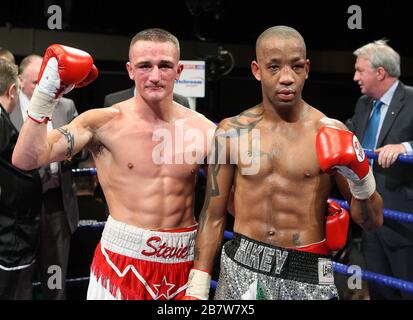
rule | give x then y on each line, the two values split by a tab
286	76
155	74
356	76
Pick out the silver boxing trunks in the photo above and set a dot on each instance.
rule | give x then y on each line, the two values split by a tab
252	270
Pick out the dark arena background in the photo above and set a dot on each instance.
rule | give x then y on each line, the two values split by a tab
221	32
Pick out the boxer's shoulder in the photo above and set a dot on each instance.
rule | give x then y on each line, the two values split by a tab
247	119
96	118
193	119
326	121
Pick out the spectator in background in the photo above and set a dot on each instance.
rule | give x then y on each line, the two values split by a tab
20	201
7	55
383	121
60	213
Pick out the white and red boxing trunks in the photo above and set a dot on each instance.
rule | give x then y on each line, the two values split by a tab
134	263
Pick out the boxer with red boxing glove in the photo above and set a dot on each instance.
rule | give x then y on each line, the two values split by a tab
279	249
147	245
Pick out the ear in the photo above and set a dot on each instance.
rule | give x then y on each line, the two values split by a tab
381	73
307	68
12	91
130	70
256	70
179	71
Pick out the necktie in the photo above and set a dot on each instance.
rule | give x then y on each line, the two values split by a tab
369	139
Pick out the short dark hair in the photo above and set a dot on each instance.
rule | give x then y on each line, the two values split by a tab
283	32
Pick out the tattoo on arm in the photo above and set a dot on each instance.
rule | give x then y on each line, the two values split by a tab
70	138
212	189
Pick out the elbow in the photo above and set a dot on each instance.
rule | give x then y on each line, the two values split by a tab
19	162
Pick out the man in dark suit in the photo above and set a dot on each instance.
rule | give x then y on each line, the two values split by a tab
383	121
20	201
119	96
60	213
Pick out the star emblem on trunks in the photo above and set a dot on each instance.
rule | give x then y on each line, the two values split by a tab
163	288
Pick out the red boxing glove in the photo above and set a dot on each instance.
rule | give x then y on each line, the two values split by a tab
93	74
340	150
63	68
337	223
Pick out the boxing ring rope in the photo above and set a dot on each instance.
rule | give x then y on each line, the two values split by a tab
338	267
387	213
403	158
84	172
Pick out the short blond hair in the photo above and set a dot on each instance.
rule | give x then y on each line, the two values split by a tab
156	35
7	55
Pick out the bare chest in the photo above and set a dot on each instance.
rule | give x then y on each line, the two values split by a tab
148	151
292	156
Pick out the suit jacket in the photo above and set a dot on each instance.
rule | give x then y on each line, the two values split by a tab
395	184
63	113
20	203
123	95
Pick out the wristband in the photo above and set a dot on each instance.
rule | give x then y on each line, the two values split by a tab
198	284
364	188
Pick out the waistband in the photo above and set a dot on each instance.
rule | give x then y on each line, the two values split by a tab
317	248
280	262
170	246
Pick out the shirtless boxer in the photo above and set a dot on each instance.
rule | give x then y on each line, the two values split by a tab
146	250
279	250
